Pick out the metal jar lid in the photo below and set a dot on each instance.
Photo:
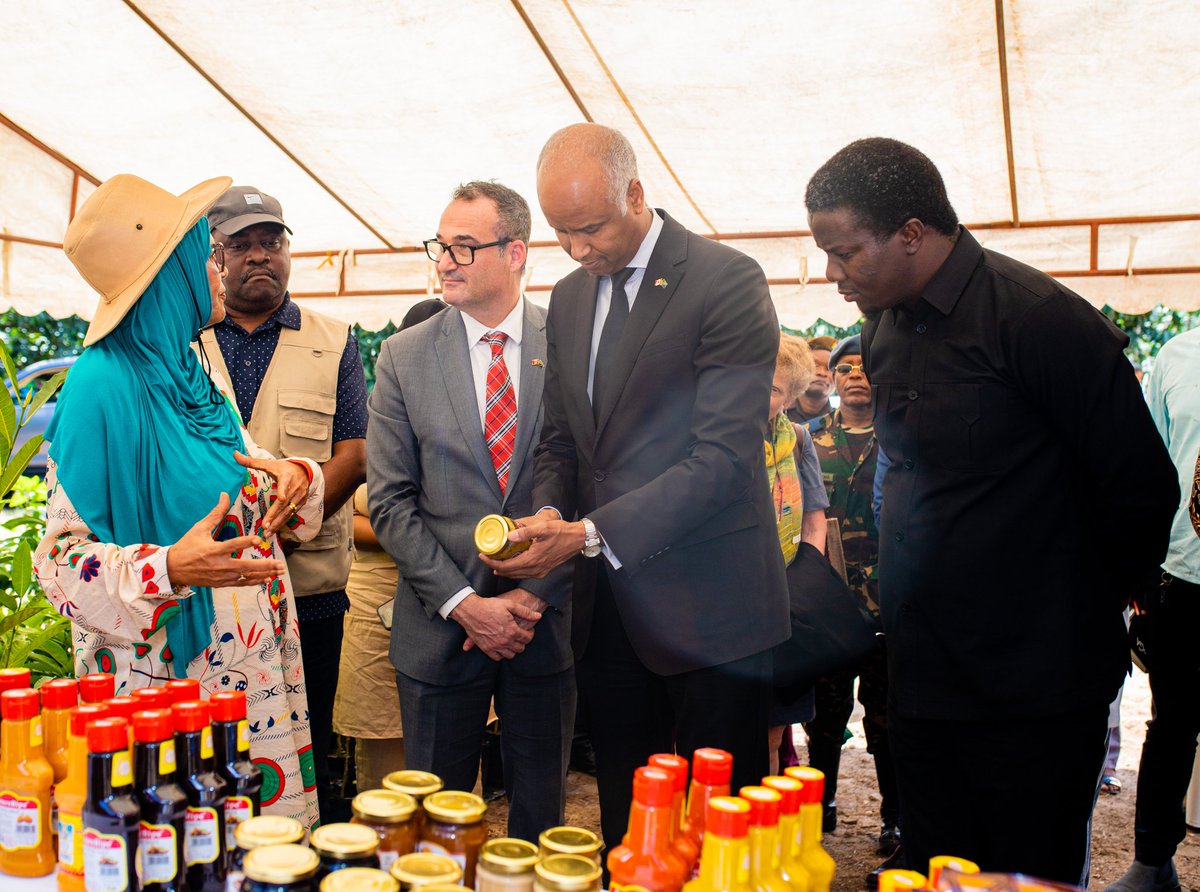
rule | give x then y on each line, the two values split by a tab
508	856
568	872
569	841
453	807
267	830
414	783
423	868
383	806
280	864
344	840
360	879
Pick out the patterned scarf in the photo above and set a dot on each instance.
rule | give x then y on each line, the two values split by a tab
784	479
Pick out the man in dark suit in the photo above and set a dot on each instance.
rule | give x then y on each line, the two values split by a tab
455	416
652	465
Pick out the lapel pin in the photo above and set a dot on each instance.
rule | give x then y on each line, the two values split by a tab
660	283
536	363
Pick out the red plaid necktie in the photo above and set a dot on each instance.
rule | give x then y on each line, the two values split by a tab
500	409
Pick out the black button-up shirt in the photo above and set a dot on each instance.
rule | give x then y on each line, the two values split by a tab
1027	492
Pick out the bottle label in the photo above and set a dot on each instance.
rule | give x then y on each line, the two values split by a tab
206	742
35	731
20	822
105	862
427	846
156	853
166	757
200	842
70	844
237	809
243	736
233	880
122	769
386	859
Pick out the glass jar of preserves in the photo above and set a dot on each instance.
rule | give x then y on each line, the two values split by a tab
417	784
422	869
491	537
254	833
455	826
567	873
570	841
344	845
359	879
283	868
392	816
506	865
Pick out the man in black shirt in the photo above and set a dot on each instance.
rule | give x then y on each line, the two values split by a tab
1028	495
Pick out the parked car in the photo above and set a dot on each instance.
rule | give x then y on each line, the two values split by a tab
29	379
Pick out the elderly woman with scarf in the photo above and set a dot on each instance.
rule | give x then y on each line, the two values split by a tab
161	539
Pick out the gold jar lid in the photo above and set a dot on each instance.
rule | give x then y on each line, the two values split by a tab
491	533
267	830
383	806
344	840
280	864
360	879
453	807
569	841
414	783
567	872
423	868
509	856
442	887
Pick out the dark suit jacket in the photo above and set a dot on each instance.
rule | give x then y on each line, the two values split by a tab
429	480
673	475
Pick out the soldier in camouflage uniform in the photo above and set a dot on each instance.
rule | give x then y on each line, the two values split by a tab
847	450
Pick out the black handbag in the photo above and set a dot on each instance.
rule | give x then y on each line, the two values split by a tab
830	630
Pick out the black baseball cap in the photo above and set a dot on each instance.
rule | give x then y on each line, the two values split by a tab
243	206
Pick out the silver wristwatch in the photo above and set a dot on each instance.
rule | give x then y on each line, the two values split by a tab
591	539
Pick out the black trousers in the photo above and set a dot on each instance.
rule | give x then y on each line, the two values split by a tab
321	648
1170	747
633	713
1013	795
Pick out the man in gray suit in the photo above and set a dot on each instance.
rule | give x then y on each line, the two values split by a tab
454	419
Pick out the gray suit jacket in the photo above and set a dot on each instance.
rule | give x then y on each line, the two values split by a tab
430	478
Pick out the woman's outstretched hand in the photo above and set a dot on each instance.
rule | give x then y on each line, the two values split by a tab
198	559
291	487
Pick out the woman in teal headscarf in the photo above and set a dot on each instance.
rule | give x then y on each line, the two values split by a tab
161	542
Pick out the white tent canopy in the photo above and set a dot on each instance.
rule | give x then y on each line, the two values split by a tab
1067	130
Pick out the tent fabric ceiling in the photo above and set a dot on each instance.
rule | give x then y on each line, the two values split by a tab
362	115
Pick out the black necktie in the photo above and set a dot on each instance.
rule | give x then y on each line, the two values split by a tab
610	336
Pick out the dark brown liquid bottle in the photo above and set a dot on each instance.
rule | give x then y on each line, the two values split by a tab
204	833
231	741
162	801
111	813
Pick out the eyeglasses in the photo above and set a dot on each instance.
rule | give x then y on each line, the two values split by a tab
218	256
844	368
463	255
271	245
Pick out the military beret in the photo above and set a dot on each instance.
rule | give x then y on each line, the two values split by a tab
852	344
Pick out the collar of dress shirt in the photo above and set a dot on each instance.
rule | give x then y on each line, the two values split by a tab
642	258
511	326
948	283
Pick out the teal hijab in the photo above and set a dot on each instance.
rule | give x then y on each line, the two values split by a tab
143	439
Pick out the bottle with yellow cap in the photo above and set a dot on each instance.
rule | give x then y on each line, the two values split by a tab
812	854
360	879
725	855
282	868
765	874
566	873
256	833
790	864
455	826
901	880
506	865
421	869
940	863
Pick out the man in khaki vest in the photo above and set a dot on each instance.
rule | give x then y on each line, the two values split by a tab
301	392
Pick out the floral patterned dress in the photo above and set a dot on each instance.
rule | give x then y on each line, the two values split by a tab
119	600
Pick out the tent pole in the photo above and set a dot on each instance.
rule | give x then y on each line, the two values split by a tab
1002	56
562	75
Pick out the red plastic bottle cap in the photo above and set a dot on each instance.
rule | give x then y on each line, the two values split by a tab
183	689
728	817
152	698
787	787
122	707
190	715
14	679
61	693
153	725
677	766
711	767
227	706
764	805
82	716
22	703
653	786
97	687
108	736
813	780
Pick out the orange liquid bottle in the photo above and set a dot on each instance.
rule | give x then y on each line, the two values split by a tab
646	861
59	697
711	771
763	834
71	795
681	843
812	854
26	847
790	865
725	858
97	687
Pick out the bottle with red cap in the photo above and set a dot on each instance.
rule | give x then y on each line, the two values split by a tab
711	771
162	802
96	687
681	843
70	797
59	697
818	862
110	815
204	838
725	856
231	742
646	860
182	689
763	834
15	680
152	698
26	848
790	865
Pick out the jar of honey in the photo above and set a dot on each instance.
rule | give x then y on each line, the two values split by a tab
417	784
505	865
455	826
424	869
491	537
392	816
360	879
567	873
285	868
570	841
344	845
256	833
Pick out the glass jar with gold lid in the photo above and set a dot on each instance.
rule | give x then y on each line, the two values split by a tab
256	832
344	845
505	865
424	869
570	841
567	873
491	537
280	867
360	879
392	816
455	826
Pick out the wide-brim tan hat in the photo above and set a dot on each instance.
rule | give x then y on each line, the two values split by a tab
123	235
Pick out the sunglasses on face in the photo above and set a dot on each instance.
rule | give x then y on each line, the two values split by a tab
845	368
